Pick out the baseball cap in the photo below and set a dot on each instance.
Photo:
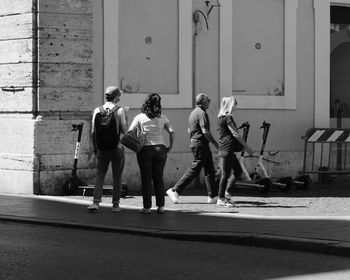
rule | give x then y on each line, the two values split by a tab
112	91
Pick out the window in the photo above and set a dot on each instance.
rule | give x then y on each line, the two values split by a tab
258	53
143	53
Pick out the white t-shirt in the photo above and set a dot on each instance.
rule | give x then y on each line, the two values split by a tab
153	128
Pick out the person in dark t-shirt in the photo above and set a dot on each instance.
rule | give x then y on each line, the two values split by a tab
199	130
229	142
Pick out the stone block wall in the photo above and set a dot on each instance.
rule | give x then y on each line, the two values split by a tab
64	30
46	55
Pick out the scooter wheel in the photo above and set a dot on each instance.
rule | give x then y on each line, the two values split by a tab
71	186
124	190
254	176
288	181
267	183
305	182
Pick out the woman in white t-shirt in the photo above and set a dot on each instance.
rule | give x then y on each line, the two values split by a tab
152	157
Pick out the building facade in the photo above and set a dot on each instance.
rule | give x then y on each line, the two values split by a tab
286	62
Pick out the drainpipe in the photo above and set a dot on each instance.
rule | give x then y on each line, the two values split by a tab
196	16
35	76
35	102
195	59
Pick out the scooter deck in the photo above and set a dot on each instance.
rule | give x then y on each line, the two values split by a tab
248	184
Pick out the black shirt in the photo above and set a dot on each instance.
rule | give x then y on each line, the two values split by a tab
226	139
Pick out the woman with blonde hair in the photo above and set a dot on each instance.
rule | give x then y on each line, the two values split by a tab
229	142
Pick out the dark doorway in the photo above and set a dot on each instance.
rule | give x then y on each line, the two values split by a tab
340	63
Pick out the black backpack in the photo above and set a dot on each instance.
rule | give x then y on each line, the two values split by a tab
107	128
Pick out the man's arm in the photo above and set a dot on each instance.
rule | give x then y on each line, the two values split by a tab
207	134
94	144
123	124
204	125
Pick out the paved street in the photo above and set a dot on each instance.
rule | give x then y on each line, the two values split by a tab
316	220
46	252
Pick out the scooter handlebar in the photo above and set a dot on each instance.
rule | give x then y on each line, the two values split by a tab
265	125
78	126
243	125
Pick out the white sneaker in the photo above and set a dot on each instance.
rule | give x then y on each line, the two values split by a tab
160	210
225	203
93	207
174	196
116	208
212	200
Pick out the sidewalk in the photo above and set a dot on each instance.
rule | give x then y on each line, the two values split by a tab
253	223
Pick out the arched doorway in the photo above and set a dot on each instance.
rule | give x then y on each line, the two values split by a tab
340	67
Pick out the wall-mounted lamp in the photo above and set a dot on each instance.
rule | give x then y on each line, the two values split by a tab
207	3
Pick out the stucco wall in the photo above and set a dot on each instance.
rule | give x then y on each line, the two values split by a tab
287	126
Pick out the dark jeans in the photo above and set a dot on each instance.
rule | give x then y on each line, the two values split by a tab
229	162
104	157
202	157
151	160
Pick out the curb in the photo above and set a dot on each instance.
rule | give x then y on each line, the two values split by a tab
330	247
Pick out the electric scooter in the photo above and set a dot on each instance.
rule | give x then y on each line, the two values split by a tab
74	183
284	183
263	185
71	186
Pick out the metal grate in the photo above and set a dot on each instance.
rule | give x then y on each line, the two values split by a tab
326	151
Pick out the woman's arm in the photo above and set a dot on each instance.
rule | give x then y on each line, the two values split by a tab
235	133
171	132
134	123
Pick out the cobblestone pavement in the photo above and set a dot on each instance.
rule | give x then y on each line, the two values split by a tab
319	200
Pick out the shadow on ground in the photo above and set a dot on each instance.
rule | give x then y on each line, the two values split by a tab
332	186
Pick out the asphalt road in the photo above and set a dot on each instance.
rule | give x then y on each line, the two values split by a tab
45	252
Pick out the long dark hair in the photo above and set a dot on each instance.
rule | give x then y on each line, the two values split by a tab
152	107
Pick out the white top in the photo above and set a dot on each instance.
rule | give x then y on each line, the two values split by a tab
153	128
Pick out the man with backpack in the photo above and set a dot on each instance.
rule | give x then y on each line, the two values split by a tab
108	121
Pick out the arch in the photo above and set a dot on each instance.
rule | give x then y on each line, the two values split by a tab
338	38
322	60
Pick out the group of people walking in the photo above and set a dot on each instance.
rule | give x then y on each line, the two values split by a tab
152	158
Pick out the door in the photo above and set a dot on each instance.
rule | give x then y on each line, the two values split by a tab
340	66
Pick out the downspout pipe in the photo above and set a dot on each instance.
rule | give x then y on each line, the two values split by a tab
35	54
194	59
196	16
35	95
